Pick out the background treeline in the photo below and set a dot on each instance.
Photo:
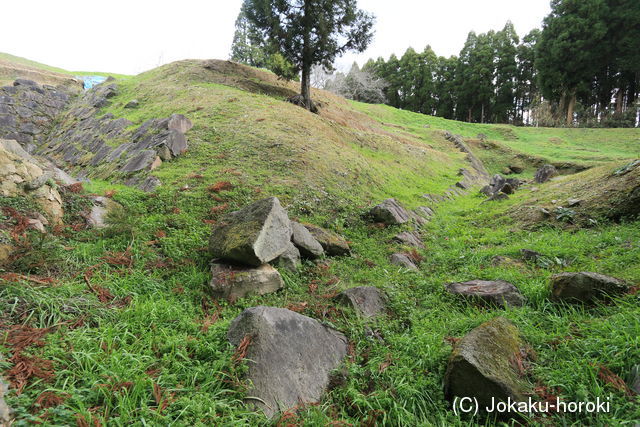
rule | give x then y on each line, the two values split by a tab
582	68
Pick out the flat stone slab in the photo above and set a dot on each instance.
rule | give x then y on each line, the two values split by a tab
482	365
403	261
369	301
496	292
586	287
234	281
390	212
289	356
410	239
254	235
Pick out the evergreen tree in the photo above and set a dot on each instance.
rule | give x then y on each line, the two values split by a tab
506	73
570	51
526	87
247	47
445	87
310	32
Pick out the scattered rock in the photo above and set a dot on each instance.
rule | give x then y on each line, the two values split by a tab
290	356
235	281
585	287
254	235
495	292
307	244
482	365
5	411
403	261
573	202
176	142
99	211
35	224
333	244
179	123
142	161
635	379
516	169
410	239
505	261
545	173
390	212
369	301
134	103
529	255
290	259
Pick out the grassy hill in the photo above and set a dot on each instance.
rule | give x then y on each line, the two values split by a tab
133	337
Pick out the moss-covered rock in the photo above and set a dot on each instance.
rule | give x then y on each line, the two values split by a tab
585	287
333	244
483	365
254	235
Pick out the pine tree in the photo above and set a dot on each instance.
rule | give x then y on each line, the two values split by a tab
506	71
310	32
247	47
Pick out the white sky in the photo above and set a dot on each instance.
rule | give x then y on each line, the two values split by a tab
135	35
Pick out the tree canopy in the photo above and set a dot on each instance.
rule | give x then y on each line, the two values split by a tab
310	32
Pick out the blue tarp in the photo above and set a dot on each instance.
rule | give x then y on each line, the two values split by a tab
91	81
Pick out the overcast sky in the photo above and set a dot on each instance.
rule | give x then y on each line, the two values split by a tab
135	35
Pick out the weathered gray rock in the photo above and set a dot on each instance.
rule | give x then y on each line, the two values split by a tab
390	212
38	182
495	292
481	365
179	123
516	168
529	255
254	235
290	259
307	244
176	142
333	244
99	211
634	382
290	356
141	161
545	173
410	239
232	281
403	261
134	103
585	287
369	301
5	411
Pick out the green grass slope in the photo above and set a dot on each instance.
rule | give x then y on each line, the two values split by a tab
133	337
528	146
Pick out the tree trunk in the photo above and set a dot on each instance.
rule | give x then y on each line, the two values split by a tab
305	86
619	99
482	114
307	58
571	105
